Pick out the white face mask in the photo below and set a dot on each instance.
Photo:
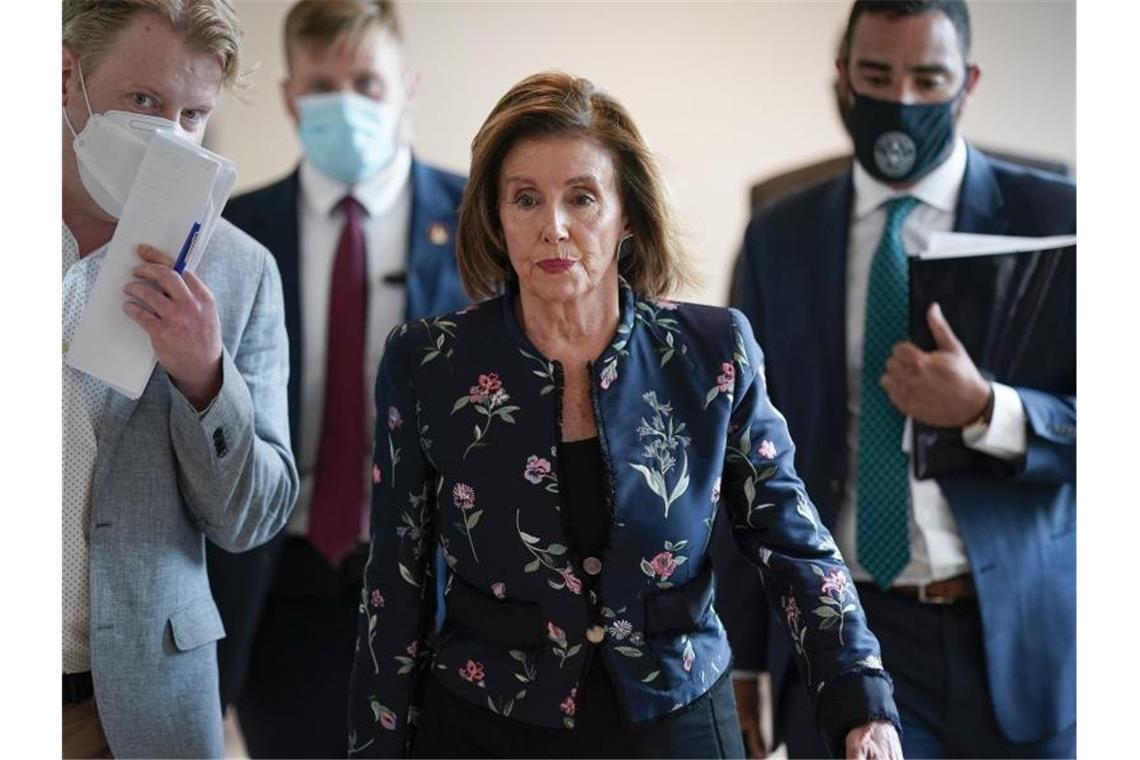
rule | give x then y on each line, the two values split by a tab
109	151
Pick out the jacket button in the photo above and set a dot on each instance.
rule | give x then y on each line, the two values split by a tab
592	565
595	634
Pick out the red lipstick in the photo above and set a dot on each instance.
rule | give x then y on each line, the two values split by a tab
556	266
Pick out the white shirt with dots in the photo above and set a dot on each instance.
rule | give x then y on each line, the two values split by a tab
83	401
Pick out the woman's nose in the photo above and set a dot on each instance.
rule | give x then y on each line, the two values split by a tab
554	227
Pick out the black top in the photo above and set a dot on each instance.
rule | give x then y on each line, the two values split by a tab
583	492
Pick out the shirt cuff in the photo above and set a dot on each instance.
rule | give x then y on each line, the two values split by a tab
1004	436
852	700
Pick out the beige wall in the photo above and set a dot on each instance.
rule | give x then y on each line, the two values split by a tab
724	92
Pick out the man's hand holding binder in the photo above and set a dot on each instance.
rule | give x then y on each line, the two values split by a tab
942	387
180	317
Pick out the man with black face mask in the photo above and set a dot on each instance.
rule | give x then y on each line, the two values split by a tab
968	580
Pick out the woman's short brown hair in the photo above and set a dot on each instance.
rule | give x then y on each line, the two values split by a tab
89	27
555	103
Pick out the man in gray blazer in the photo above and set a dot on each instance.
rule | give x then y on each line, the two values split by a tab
204	452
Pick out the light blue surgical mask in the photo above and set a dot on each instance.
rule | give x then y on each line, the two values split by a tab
347	136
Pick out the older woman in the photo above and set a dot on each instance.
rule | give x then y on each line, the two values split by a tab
565	445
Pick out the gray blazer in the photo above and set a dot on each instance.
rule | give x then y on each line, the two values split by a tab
165	479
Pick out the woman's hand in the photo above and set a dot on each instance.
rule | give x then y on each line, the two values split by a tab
876	740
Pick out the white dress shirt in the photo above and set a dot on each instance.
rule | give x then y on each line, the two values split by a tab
83	400
387	200
936	549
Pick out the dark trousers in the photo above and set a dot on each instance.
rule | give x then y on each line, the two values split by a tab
293	698
936	656
453	727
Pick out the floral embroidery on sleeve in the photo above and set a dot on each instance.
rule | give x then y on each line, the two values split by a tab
739	454
834	593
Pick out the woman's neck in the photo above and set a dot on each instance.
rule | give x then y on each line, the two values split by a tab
570	331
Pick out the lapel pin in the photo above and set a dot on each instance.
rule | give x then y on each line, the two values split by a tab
437	233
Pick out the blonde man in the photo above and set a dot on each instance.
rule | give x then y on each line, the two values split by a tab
204	452
363	234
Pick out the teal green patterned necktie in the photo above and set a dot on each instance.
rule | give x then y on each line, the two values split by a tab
884	488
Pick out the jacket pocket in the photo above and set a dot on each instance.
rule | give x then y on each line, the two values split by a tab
680	610
499	622
195	625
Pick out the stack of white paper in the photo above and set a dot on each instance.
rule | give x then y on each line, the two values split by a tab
954	245
179	184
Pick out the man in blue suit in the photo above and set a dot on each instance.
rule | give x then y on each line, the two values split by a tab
968	580
363	234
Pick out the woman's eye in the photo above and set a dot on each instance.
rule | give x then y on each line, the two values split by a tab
525	200
583	199
142	100
192	115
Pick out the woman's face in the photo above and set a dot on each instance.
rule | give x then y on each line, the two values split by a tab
561	216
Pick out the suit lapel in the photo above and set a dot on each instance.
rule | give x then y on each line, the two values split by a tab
279	230
117	413
981	209
834	224
429	243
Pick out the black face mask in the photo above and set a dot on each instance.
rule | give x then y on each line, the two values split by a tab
898	142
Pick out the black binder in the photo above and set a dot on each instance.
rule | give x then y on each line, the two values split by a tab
1015	313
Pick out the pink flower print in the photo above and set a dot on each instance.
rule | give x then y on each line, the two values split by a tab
726	377
490	383
568	705
394	418
572	581
376	598
472	672
463	495
767	449
388	720
791	612
662	303
555	634
835	581
663	564
413	648
499	590
536	468
375	474
609	374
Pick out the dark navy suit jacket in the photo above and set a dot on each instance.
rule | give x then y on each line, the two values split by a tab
270	215
1018	525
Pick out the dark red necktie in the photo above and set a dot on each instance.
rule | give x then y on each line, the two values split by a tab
336	513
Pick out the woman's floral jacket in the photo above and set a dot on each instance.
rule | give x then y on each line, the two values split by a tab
466	460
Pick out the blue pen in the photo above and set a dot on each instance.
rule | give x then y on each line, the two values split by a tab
184	254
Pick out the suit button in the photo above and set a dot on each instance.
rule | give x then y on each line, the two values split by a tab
595	634
592	565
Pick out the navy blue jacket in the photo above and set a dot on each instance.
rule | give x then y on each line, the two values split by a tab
1018	526
466	457
270	214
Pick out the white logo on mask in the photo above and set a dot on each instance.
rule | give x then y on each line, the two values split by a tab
895	154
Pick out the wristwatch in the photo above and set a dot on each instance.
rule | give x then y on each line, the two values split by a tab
983	420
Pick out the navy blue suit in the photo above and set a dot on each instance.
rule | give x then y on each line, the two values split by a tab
285	595
1018	526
